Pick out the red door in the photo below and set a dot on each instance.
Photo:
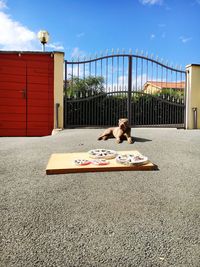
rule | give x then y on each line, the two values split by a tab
40	97
26	94
12	98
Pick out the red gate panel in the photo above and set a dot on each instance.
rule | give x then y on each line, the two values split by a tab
26	94
40	96
12	97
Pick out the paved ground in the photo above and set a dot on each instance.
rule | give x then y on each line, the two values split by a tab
101	219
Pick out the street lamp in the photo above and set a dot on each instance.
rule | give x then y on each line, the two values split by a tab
43	36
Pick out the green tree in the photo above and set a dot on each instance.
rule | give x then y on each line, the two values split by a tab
171	92
84	87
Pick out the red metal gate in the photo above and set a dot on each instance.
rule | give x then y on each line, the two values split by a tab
26	94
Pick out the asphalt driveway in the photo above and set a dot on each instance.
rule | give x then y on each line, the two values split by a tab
136	218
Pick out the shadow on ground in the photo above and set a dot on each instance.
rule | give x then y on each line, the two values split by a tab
141	140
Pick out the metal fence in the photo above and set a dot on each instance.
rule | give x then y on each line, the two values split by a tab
101	90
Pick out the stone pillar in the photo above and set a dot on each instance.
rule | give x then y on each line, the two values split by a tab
193	96
58	89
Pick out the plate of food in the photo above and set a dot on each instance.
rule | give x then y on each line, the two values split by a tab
131	159
102	154
82	162
100	162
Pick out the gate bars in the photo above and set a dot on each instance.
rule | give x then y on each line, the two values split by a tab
141	88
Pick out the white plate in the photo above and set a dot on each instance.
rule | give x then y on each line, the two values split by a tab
100	162
82	162
130	159
102	153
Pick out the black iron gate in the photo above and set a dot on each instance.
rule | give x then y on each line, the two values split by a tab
99	91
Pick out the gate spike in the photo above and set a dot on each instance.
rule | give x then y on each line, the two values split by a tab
130	51
136	51
146	54
151	56
107	52
112	51
141	53
117	50
123	51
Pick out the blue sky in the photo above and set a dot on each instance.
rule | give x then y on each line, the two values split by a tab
169	29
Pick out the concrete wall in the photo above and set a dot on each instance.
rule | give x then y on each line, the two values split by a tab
192	95
58	88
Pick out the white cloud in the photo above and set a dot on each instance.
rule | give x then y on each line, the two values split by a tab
81	34
152	36
3	5
15	36
55	46
185	39
151	2
77	53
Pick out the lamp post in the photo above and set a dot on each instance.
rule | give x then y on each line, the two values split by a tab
43	36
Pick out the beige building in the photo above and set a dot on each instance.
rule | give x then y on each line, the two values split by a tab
152	87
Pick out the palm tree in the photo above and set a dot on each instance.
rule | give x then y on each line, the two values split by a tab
84	87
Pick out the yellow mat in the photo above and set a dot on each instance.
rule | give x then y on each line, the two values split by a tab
64	163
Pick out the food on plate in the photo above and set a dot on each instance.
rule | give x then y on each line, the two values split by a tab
82	162
130	159
100	162
102	154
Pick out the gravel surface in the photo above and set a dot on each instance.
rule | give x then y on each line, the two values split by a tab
138	218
